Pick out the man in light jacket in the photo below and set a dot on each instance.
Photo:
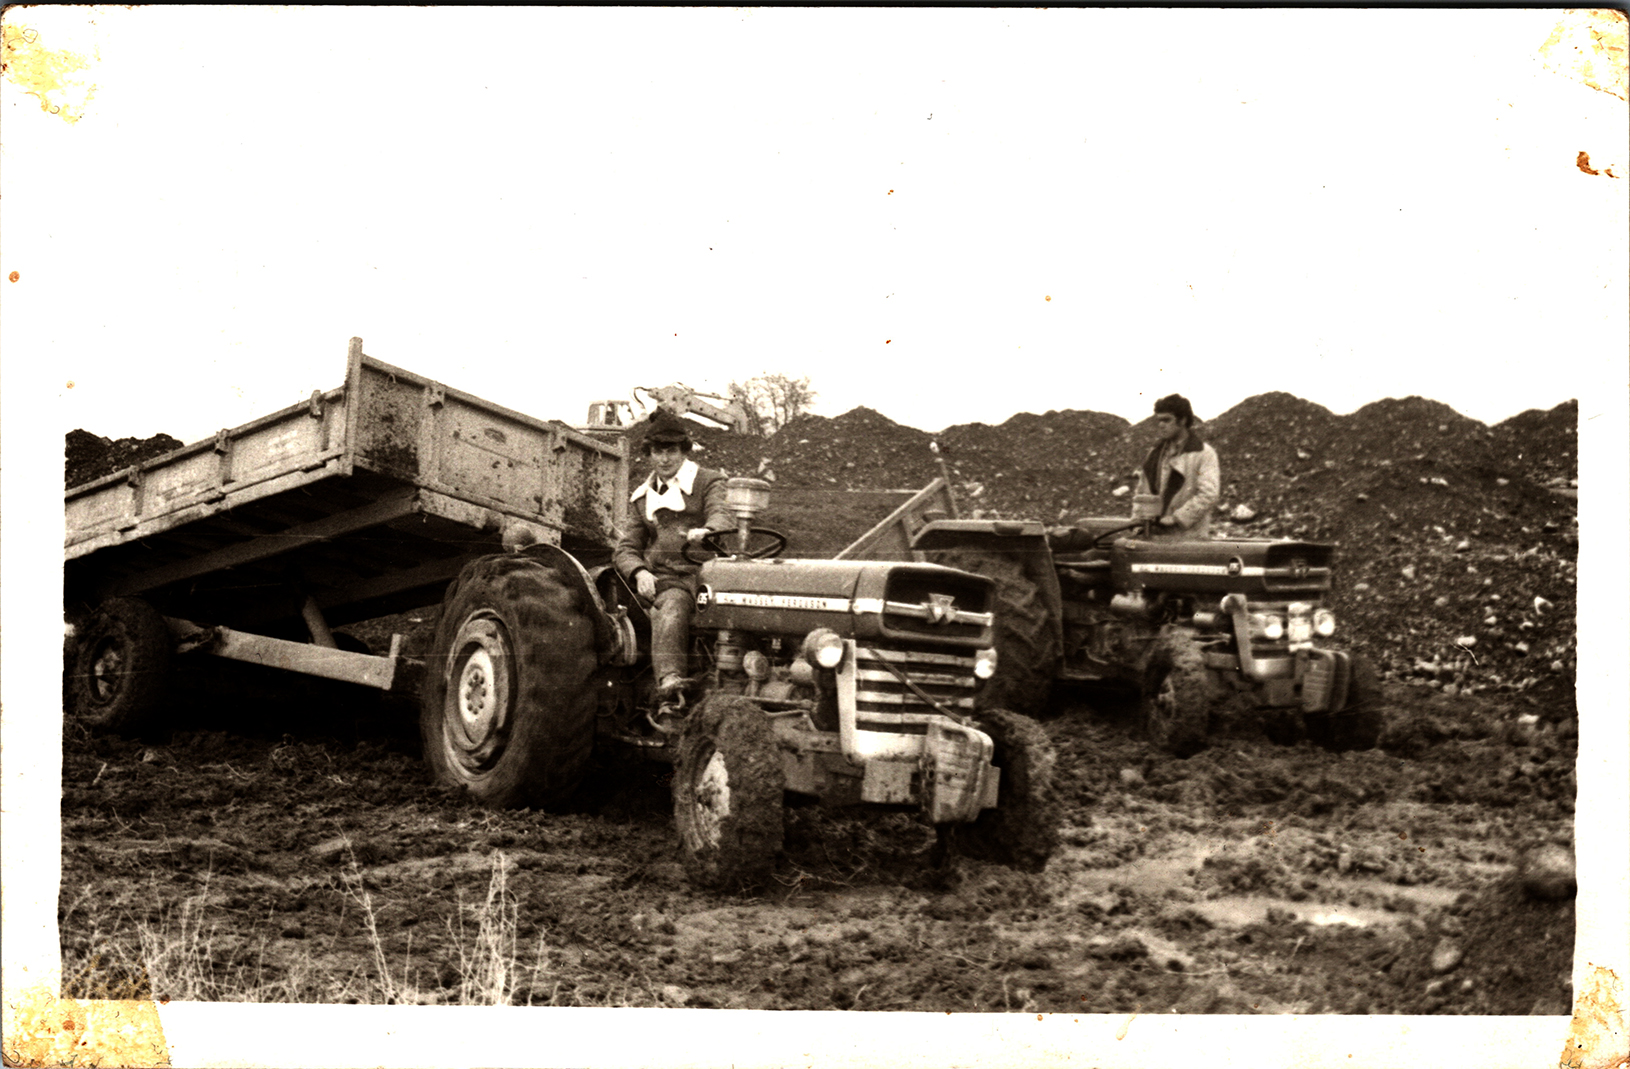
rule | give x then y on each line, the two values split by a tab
1182	471
678	504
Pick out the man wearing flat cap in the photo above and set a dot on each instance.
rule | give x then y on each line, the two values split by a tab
679	503
1182	470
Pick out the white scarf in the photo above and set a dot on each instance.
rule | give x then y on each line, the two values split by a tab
673	497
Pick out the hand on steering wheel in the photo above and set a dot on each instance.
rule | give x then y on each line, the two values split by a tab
723	544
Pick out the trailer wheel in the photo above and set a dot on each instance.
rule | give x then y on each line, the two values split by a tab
727	791
1358	725
506	711
1027	643
1176	696
1022	831
121	667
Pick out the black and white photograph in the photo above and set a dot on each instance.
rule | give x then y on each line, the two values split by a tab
867	536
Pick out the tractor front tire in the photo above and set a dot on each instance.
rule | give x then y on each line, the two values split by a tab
1022	831
1028	649
1176	698
1358	725
506	710
728	789
121	667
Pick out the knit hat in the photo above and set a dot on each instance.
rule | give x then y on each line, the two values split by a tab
1175	404
665	428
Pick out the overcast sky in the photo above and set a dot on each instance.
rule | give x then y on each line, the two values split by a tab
948	216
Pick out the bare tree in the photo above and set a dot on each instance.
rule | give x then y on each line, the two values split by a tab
773	400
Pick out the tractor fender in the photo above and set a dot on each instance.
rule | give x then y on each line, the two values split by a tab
609	638
1024	540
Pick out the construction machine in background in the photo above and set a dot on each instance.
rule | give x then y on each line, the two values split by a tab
618	415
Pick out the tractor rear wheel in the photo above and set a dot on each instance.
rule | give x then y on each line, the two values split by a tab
506	710
1022	831
1358	725
1027	640
1176	697
121	667
727	790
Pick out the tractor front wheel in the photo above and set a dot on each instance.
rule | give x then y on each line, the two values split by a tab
727	790
1358	725
506	710
1022	831
1176	696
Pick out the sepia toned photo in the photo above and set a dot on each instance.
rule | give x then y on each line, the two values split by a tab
1042	537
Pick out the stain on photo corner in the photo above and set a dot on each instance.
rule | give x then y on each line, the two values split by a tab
57	78
43	1030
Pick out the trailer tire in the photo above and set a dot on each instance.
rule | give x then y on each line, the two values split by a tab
1358	725
1027	642
121	668
1176	698
1022	831
506	710
728	790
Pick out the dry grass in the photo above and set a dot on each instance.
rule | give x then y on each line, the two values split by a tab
490	966
186	955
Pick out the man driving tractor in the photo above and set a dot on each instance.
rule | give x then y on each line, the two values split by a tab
1182	471
677	505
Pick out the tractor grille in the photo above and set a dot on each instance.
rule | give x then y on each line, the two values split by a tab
884	699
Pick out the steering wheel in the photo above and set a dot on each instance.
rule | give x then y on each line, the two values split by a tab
720	543
1105	540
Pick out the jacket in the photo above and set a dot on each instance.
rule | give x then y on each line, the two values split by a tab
1193	485
655	535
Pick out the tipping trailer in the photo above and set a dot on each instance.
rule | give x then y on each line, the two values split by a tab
363	501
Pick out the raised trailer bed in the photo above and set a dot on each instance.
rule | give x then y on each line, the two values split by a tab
364	501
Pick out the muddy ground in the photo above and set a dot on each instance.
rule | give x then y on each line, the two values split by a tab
319	864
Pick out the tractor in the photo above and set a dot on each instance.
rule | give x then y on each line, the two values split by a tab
845	682
1212	636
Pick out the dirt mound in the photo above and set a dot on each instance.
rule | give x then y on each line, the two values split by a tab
1448	529
90	457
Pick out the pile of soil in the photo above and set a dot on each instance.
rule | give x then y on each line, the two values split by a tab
91	457
1448	530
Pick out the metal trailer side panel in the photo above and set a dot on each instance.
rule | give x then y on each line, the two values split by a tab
297	445
442	439
387	420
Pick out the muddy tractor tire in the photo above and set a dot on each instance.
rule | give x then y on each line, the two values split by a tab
728	790
1027	642
1022	831
506	710
1176	697
121	671
1358	725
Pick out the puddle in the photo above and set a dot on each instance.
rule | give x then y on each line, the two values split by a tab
1156	876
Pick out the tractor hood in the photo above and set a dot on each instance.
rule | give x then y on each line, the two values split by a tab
1255	567
871	600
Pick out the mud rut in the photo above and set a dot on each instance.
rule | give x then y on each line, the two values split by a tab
318	864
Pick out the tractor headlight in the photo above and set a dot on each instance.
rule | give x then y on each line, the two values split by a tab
984	664
1324	622
824	648
1299	627
1268	626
